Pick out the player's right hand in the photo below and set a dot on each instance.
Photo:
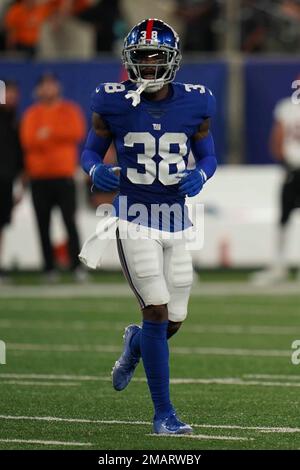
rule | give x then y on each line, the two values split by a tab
104	178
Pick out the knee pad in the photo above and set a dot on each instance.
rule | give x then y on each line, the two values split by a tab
144	269
177	313
146	263
181	269
156	293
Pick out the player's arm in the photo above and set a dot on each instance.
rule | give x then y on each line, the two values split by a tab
97	143
202	146
276	141
203	149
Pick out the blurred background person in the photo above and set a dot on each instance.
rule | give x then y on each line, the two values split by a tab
285	148
255	25
104	17
199	18
270	26
66	35
289	34
23	23
51	131
133	12
4	4
11	158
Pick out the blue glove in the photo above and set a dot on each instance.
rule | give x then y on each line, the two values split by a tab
192	183
104	178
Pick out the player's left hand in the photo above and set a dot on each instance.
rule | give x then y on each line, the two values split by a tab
104	178
191	184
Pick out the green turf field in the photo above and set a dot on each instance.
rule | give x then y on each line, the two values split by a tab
232	361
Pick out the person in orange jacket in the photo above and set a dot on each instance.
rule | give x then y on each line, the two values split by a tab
51	131
23	22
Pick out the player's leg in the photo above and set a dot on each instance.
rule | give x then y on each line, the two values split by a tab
6	204
178	272
278	270
66	200
142	263
1	239
288	203
155	355
42	203
173	327
297	205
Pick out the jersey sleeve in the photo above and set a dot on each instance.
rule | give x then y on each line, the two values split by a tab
99	103
210	104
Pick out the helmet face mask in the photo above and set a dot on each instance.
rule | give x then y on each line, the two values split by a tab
154	60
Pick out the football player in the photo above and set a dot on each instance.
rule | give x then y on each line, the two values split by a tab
154	124
285	148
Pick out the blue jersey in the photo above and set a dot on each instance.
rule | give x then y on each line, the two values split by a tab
152	141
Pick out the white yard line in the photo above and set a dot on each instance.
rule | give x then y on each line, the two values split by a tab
122	290
233	381
48	384
73	420
118	326
203	436
232	352
62	347
59	325
272	376
53	377
246	330
173	381
66	291
82	378
262	429
176	350
46	443
147	423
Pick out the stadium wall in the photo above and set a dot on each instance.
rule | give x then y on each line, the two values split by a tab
239	224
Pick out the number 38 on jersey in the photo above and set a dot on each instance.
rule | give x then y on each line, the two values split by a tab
157	170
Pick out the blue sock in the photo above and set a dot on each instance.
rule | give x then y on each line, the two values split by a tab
155	355
135	343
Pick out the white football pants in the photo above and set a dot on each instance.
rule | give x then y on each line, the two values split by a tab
158	271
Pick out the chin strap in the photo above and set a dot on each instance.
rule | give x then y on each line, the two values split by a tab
135	95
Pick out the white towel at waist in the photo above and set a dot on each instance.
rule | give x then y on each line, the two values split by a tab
95	246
